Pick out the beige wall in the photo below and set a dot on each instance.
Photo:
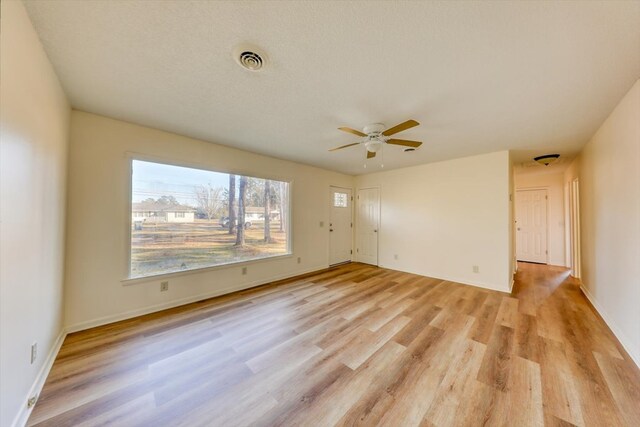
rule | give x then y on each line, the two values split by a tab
34	129
554	184
443	218
98	219
609	176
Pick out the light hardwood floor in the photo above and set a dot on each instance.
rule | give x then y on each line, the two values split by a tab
353	345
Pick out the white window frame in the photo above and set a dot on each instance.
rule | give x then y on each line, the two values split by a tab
130	157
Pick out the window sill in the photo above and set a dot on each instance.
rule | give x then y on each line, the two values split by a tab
135	280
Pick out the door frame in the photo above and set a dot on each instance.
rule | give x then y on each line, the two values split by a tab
546	214
575	258
353	221
371	187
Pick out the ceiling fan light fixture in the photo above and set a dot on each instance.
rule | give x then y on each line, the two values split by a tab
373	145
546	159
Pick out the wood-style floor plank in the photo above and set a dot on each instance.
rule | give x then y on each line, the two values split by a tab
353	345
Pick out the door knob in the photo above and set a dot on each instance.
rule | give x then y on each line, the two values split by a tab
518	228
375	231
331	229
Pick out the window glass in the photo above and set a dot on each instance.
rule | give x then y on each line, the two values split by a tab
184	218
340	200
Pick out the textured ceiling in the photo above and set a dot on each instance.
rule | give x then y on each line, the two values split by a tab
480	76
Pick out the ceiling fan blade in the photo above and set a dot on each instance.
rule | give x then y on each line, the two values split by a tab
399	128
370	154
344	146
353	131
405	142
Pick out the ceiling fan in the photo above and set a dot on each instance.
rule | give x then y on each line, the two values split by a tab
375	136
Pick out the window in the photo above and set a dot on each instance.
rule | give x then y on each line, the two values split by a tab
185	219
340	200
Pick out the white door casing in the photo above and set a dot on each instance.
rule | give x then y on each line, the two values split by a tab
574	222
340	226
367	225
531	225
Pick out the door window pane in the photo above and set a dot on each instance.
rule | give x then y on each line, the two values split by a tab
340	200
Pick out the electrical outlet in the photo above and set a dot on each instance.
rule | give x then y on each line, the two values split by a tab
476	269
395	256
164	286
34	352
299	260
244	270
32	401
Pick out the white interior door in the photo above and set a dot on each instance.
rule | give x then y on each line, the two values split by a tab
531	225
340	236
367	225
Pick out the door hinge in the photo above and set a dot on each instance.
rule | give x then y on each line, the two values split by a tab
351	197
546	252
351	225
358	250
351	251
546	197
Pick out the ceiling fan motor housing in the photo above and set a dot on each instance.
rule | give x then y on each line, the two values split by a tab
374	140
375	129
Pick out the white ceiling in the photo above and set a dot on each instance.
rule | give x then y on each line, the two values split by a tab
535	77
530	167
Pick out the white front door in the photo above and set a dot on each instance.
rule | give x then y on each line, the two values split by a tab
367	225
340	226
531	225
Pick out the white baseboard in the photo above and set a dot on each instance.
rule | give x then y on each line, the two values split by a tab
477	284
21	417
182	301
614	328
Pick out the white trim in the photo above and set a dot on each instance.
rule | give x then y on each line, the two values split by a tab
577	268
484	285
622	338
182	301
22	416
567	224
131	156
236	264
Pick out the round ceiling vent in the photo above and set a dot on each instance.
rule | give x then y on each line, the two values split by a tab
250	57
